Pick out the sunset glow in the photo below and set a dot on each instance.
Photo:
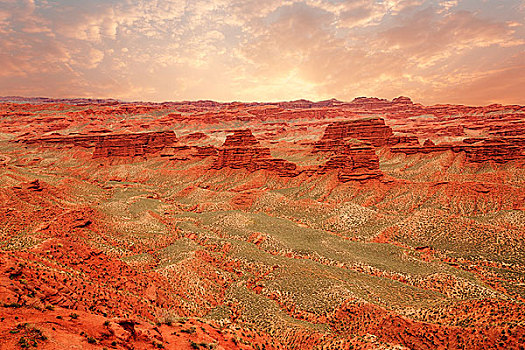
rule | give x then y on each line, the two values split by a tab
467	52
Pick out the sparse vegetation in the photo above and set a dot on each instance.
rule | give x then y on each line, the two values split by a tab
251	258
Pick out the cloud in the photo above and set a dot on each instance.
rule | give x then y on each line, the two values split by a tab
448	5
503	84
427	36
261	50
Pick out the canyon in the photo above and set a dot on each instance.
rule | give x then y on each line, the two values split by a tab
369	224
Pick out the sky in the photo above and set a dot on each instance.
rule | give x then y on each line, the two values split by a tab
455	51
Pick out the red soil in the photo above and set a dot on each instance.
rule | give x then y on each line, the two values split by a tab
72	274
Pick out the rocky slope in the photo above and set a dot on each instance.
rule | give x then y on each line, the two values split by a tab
122	145
371	130
370	224
111	145
353	162
241	150
476	150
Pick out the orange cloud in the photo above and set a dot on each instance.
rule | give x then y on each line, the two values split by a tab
433	51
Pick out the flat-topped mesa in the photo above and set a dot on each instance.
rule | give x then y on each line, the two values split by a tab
403	100
112	145
372	130
370	103
241	150
132	145
354	161
241	138
501	150
91	140
476	150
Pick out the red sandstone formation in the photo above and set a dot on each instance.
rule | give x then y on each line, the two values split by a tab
241	150
371	130
477	150
241	139
353	162
402	100
43	306
428	143
183	153
196	136
116	145
370	103
168	254
357	160
499	151
133	145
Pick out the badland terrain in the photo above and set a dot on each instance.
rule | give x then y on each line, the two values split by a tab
371	224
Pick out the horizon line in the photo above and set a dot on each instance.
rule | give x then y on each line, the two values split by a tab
111	99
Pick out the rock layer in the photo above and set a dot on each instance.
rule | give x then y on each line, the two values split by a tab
476	150
371	130
167	253
112	145
354	162
241	150
123	145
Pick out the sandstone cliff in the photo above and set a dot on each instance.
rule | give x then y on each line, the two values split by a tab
241	150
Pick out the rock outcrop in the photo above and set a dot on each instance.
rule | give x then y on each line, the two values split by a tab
403	100
111	145
370	103
241	139
428	143
186	152
131	145
241	150
375	249
371	130
476	150
356	162
351	144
